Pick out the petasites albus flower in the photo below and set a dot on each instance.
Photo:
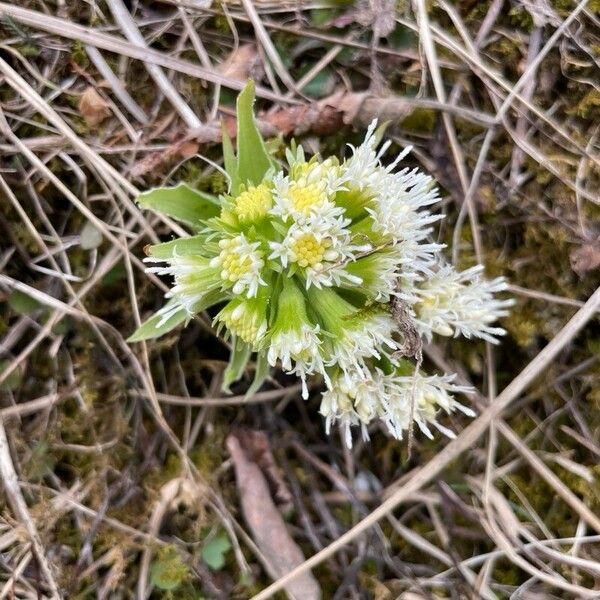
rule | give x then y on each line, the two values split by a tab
325	267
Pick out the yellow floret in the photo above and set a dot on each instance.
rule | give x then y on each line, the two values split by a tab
242	327
233	264
253	204
306	197
308	250
428	405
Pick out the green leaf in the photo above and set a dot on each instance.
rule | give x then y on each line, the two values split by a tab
116	275
213	551
260	374
253	159
321	85
168	570
13	381
230	161
240	354
380	132
182	246
182	203
23	303
149	330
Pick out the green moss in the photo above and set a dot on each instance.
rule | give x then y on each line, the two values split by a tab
79	55
420	120
209	455
523	325
167	571
169	470
506	573
594	6
589	106
520	17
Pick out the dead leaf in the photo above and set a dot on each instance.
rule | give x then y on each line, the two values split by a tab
350	105
585	259
268	528
380	15
185	145
188	149
341	108
243	63
93	108
255	445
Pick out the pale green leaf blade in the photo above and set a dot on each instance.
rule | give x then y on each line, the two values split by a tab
181	202
240	354
253	159
213	552
260	374
23	303
151	329
230	161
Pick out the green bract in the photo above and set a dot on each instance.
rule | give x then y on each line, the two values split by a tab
304	261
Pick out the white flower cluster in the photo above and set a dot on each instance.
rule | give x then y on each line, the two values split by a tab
308	261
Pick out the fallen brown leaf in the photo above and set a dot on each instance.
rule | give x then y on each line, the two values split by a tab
93	108
185	145
341	108
268	528
257	448
243	63
324	117
585	259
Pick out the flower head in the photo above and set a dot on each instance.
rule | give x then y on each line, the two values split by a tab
353	335
457	303
245	318
253	204
354	399
241	263
305	262
195	278
294	340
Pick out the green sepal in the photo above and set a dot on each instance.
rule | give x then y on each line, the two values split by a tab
260	374
355	202
181	202
180	247
238	360
353	295
276	288
252	156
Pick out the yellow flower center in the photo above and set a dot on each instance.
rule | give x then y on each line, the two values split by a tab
253	204
234	265
308	250
427	303
247	329
305	197
429	406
